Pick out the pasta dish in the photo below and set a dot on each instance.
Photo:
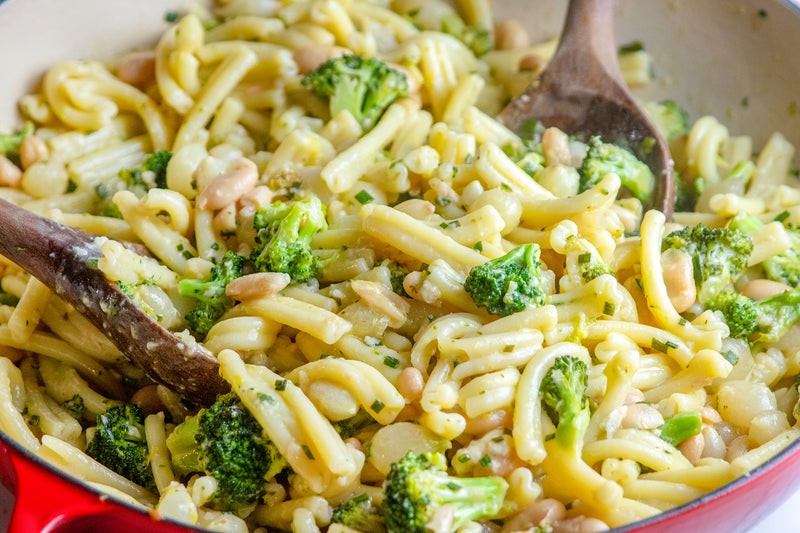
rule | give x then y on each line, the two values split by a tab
428	322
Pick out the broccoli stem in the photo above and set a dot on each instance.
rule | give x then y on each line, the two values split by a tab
681	426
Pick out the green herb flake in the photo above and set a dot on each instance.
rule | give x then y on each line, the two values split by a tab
391	362
485	461
307	451
280	385
377	406
363	197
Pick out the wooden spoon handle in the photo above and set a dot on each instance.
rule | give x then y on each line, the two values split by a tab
65	260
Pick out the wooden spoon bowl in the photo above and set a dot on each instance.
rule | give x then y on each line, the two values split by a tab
581	92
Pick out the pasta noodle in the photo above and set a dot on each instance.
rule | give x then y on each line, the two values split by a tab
330	257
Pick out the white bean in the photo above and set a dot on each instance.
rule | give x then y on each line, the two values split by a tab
10	174
692	448
762	288
138	67
737	448
642	416
555	146
410	383
310	57
32	150
679	279
258	285
530	516
509	34
230	186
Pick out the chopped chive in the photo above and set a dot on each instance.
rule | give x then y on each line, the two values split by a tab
658	346
377	406
463	458
280	384
485	461
391	362
584	258
782	216
364	197
609	308
307	451
478	246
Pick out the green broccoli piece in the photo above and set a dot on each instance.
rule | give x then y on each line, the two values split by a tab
718	255
785	267
745	222
670	119
119	443
283	242
359	513
741	313
477	39
563	393
602	158
134	293
350	427
212	302
226	441
10	142
6	298
508	284
765	320
680	426
151	174
364	87
564	397
418	485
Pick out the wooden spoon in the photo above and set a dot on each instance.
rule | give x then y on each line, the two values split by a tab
65	260
581	92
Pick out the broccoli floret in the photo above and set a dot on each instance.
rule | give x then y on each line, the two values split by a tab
680	426
212	302
508	284
364	87
602	158
765	320
10	142
718	255
670	119
359	513
418	485
226	441
283	242
741	313
119	443
477	39
151	174
785	267
563	393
